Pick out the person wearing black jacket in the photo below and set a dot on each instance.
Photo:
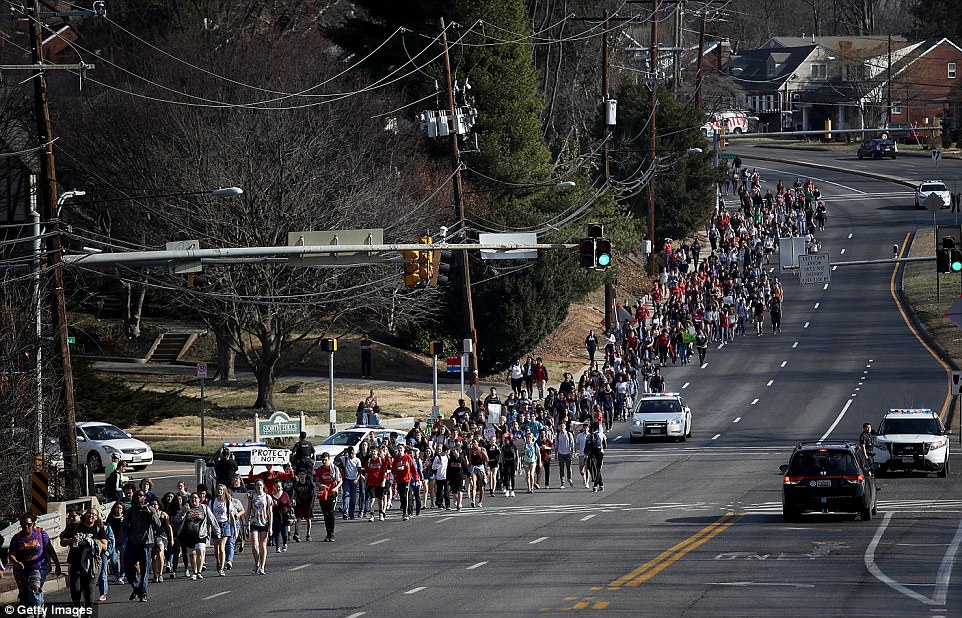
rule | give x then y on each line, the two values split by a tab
225	468
140	524
113	487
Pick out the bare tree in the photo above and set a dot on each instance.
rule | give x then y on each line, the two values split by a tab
315	162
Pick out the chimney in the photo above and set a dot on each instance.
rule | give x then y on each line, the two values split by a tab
724	51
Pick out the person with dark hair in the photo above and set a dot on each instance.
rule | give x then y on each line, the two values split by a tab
595	445
225	467
87	540
141	522
302	454
30	556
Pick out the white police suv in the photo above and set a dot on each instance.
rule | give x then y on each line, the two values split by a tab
660	415
912	439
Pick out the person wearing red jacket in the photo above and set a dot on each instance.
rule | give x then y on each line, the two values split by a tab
327	480
270	477
378	466
403	469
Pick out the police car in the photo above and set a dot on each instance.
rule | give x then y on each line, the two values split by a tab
912	439
334	445
660	415
241	451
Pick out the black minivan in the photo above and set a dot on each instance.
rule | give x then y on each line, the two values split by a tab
828	477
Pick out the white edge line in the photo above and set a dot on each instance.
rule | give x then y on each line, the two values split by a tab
214	596
476	566
945	569
837	420
877	572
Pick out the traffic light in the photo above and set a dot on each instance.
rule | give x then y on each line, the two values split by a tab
437	348
440	267
586	251
424	261
412	278
723	143
595	230
944	260
602	253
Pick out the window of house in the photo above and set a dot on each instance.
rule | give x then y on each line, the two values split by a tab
896	107
819	71
952	70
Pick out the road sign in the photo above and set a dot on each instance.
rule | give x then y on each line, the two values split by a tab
509	239
454	364
933	202
788	251
726	156
957	382
814	268
202	370
936	154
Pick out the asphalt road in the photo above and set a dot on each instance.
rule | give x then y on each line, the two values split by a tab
684	528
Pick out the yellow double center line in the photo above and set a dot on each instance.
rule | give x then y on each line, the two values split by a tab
668	557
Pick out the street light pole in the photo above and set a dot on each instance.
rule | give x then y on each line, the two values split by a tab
38	324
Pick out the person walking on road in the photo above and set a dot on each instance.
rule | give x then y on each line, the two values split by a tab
140	524
564	445
701	344
591	344
440	467
225	513
509	464
529	460
260	508
30	555
197	528
378	466
328	481
87	540
595	445
866	442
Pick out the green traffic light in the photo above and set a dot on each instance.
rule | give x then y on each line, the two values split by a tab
604	260
956	267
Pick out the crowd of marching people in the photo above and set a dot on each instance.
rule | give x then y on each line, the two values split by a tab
703	295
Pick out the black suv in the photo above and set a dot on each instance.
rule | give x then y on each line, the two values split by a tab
828	477
878	148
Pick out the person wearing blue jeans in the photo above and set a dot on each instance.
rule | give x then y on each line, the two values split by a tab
350	498
350	466
30	556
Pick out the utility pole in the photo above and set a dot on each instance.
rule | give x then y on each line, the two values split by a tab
699	76
889	80
459	206
653	70
47	189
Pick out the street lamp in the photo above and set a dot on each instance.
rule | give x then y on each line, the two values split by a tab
218	192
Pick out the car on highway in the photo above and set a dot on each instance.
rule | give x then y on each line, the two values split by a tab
912	439
334	445
826	477
877	148
929	187
97	442
660	415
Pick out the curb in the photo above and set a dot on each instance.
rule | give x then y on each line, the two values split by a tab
912	153
821	166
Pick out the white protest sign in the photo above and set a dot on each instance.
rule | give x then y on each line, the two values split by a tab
274	456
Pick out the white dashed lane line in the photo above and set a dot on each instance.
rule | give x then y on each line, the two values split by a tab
817	304
441	521
770	382
754	401
476	565
826	287
379	542
737	419
716	436
538	540
587	517
842	252
214	596
794	345
686	385
784	363
807	323
835	267
704	366
298	568
357	615
415	590
849	235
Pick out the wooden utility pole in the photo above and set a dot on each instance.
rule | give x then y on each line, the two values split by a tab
459	207
699	75
47	188
653	135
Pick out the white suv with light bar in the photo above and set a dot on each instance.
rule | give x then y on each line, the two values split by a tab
912	439
660	415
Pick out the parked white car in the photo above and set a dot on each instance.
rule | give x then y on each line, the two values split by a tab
97	442
660	415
